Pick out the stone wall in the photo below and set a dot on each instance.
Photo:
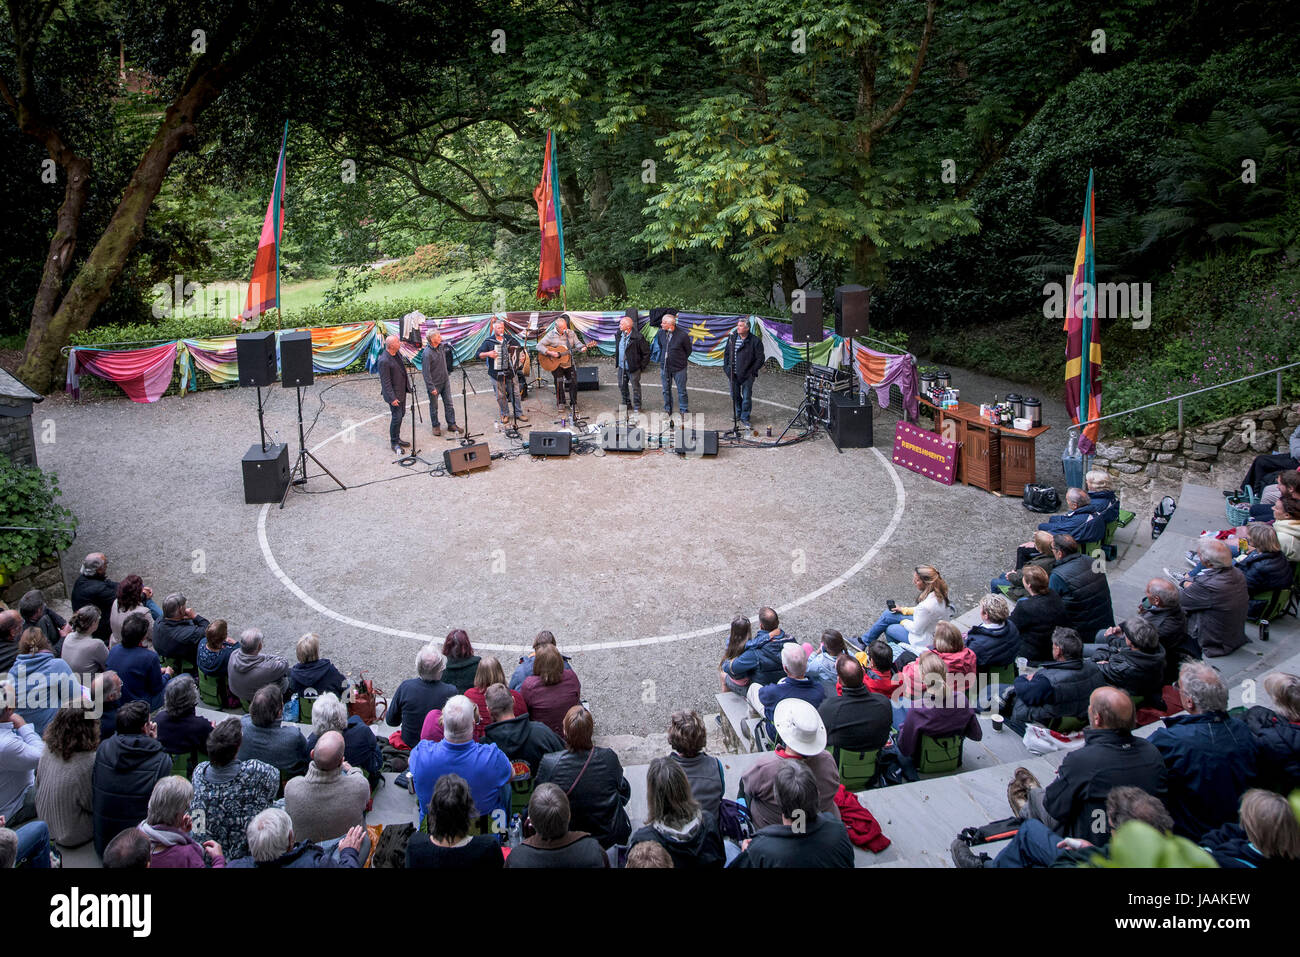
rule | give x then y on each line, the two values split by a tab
17	442
1152	463
47	576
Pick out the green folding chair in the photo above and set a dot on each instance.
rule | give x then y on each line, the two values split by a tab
940	755
304	709
1066	725
857	768
210	691
184	764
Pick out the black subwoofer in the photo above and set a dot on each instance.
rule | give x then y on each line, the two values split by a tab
266	474
850	424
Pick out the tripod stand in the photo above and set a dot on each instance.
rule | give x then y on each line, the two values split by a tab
413	456
300	467
804	410
467	437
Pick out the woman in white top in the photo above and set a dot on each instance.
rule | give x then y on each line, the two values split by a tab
912	629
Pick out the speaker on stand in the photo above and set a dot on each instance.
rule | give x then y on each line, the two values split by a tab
297	371
266	465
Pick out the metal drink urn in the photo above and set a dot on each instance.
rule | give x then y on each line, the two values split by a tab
1033	412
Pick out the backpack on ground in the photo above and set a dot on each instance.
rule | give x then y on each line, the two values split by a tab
1041	498
1161	516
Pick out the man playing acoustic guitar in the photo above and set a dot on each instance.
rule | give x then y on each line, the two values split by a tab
555	355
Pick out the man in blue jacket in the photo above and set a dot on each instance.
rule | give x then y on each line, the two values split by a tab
760	662
1083	521
741	360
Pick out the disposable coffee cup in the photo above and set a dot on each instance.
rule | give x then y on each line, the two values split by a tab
1022	664
997	722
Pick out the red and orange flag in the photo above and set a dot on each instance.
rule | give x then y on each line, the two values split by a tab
550	278
264	286
1082	337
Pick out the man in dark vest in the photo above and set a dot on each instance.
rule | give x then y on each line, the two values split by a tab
1059	689
94	587
1082	585
741	361
393	386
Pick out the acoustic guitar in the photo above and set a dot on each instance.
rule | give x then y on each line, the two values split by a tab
551	363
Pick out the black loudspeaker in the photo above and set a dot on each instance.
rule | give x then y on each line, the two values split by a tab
808	324
255	352
550	443
852	303
266	474
467	458
295	360
620	438
850	425
690	442
588	378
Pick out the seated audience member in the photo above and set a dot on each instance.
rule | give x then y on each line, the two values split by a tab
1059	689
1268	836
1036	553
552	844
488	673
250	668
1082	586
1215	602
957	658
518	736
271	844
267	739
127	766
857	719
803	739
1211	757
331	797
688	738
1083	521
141	671
416	697
1264	467
42	683
1037	615
314	673
65	798
821	664
85	654
449	844
806	836
1278	733
737	641
228	792
94	587
648	854
20	753
180	730
1162	608
1265	567
168	826
484	766
1036	846
996	639
129	851
37	615
1133	661
878	660
1286	525
759	662
361	747
462	663
213	656
11	630
132	596
938	712
106	693
181	631
912	628
525	668
675	819
592	778
552	690
795	684
1098	485
27	847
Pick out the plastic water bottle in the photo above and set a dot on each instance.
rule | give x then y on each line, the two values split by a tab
516	831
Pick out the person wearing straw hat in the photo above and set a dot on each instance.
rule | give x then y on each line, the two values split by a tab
803	738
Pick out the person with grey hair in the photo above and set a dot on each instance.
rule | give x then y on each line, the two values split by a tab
416	697
1082	522
795	684
331	797
674	355
805	837
484	766
180	729
271	844
168	826
267	739
36	614
519	736
181	630
497	351
250	668
631	355
94	587
361	747
1162	608
129	851
552	844
1133	661
742	358
436	362
1216	602
11	630
1212	758
1278	733
394	386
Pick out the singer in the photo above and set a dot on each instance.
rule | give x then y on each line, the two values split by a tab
500	366
393	387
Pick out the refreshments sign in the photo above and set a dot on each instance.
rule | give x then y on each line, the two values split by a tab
925	452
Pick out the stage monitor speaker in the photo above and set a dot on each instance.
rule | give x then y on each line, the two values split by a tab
850	424
266	474
467	458
295	360
588	378
255	354
808	323
690	442
550	443
852	303
620	438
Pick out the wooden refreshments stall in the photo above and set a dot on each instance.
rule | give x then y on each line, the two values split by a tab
996	458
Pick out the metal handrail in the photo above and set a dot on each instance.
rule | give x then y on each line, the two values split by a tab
1075	429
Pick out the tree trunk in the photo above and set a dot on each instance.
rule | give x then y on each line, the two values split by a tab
602	281
606	282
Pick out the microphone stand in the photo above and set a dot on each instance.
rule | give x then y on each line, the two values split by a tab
467	437
734	432
414	455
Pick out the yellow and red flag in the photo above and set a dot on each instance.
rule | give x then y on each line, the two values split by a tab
1082	336
264	286
550	278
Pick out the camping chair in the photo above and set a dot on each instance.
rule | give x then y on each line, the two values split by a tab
521	788
304	709
940	755
857	768
185	763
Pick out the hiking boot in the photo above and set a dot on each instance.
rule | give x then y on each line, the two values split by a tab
437	431
398	450
521	418
1018	791
963	857
454	428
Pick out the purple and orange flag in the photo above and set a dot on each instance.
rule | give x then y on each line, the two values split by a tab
550	278
264	286
1082	337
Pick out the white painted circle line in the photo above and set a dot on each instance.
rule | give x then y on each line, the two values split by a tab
900	501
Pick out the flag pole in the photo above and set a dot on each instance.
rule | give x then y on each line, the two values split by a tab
279	215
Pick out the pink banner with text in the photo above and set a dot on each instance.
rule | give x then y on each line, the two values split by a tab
925	452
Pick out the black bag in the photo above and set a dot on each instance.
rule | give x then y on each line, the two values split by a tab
1041	498
891	769
1161	516
391	849
734	821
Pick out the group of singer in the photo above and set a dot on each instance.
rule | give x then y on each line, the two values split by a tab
506	359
